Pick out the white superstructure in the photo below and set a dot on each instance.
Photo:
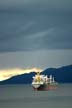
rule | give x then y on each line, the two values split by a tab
39	80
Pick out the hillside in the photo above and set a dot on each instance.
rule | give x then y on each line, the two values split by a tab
62	75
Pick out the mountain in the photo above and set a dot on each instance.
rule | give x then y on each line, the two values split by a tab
61	75
19	79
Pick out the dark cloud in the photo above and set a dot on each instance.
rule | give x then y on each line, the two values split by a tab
33	30
36	4
34	27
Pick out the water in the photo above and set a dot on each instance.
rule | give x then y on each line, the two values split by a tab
23	96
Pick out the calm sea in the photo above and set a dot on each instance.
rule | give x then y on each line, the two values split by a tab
23	96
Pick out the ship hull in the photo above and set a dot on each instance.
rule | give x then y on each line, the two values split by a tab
45	87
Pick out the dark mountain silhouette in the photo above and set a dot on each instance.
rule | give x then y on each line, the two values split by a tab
19	79
61	75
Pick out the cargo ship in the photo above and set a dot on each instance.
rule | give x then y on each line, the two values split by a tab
43	82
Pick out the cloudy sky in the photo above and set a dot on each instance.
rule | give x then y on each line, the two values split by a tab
35	33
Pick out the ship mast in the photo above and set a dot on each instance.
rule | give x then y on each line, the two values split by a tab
50	79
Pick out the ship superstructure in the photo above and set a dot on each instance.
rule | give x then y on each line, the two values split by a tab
43	82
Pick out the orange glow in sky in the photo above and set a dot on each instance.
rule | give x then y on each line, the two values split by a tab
8	73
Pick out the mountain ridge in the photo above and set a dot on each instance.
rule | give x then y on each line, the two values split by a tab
61	75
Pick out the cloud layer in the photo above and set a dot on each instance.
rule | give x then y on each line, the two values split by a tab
37	4
41	29
25	31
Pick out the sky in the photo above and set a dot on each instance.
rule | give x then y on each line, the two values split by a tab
35	33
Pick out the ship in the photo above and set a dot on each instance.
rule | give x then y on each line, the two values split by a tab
43	82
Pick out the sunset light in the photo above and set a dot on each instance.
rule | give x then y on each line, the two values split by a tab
8	73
